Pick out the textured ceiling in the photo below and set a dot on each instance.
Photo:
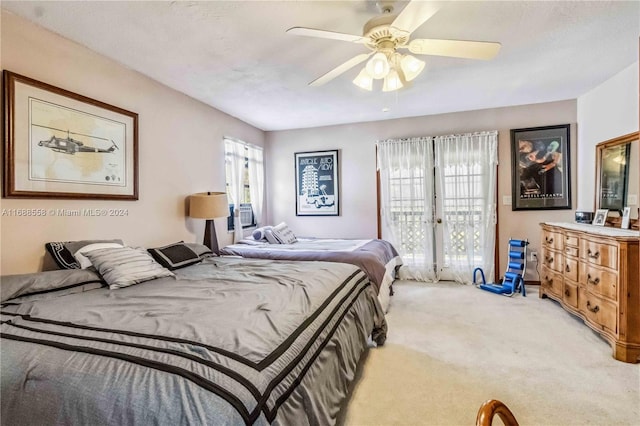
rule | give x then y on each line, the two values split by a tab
236	56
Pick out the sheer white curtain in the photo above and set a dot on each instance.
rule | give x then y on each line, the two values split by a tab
235	155
406	190
466	168
256	181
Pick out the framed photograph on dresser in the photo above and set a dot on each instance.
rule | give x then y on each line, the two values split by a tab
626	214
600	217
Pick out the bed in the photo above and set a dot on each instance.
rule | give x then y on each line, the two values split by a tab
377	258
224	341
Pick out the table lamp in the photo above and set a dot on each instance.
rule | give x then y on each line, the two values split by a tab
209	205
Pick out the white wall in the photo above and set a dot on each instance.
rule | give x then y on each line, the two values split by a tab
180	150
606	112
356	142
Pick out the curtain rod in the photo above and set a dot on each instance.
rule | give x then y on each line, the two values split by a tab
247	144
483	132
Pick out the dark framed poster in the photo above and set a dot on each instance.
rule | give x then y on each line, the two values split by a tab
317	185
540	173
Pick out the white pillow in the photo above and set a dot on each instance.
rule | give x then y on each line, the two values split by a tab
268	234
125	266
83	260
283	234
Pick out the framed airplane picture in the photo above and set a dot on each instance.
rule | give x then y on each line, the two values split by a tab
59	144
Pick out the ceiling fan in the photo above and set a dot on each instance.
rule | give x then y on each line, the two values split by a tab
387	33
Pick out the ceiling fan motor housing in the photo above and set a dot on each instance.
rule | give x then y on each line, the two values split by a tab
380	37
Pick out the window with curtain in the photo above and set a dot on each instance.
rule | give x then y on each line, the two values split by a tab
244	169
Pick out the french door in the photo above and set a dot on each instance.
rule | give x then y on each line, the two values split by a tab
437	204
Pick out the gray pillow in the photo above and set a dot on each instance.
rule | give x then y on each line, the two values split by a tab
125	266
62	252
48	282
260	233
268	234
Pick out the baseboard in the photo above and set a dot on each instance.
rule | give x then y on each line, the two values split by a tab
532	282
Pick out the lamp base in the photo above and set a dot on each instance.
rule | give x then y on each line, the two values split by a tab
210	238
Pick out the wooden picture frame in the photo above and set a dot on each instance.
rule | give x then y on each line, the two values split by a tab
317	183
541	175
59	144
600	218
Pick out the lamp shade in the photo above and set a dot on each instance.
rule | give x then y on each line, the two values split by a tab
411	66
364	80
208	205
392	82
378	66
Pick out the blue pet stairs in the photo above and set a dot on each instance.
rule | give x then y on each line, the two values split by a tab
513	281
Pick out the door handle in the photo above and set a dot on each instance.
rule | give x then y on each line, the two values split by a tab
439	220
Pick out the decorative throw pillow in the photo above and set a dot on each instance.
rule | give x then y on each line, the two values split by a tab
62	251
201	250
83	260
259	233
268	234
175	256
125	266
283	234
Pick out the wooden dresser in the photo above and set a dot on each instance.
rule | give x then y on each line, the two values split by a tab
593	272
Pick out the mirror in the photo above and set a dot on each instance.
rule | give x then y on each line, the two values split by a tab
617	179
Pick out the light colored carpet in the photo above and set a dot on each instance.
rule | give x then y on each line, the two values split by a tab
451	347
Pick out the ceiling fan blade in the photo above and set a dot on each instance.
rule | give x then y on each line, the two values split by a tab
311	32
455	48
340	69
413	15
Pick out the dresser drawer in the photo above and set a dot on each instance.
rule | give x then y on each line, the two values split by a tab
600	281
552	240
552	259
551	281
571	268
598	311
571	251
570	294
571	240
599	254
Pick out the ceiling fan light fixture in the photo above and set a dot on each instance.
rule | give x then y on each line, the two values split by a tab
411	66
364	80
378	66
392	82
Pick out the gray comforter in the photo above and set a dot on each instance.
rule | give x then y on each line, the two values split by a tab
372	257
229	341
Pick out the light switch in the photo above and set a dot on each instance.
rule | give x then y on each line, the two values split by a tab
506	200
632	199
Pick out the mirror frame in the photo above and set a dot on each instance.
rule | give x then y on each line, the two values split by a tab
621	140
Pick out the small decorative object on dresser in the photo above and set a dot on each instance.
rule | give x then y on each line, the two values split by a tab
626	213
594	274
601	217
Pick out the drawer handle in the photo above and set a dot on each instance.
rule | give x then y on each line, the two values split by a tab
594	309
591	281
567	292
548	240
548	259
549	281
593	255
567	269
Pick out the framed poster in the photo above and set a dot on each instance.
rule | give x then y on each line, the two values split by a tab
317	185
541	177
59	144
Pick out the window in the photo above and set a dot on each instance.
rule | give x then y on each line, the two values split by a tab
242	162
